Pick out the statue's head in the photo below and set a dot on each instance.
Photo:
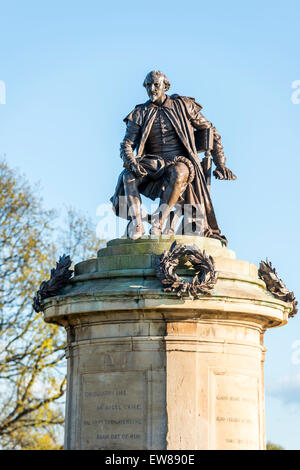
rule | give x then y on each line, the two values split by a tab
156	84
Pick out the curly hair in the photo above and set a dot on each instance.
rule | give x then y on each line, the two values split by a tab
158	73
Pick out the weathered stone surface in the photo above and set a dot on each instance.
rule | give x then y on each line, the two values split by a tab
148	370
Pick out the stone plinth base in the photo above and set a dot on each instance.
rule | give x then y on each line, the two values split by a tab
148	370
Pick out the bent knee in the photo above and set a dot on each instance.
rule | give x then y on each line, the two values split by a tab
180	172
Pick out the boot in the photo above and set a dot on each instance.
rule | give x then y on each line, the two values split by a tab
135	228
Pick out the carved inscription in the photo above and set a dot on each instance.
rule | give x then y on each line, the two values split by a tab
113	410
236	412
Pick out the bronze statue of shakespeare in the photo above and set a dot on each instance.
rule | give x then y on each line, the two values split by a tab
167	132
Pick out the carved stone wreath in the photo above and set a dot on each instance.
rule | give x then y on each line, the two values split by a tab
203	281
59	278
276	286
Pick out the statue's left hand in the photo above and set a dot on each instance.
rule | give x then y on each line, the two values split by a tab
223	173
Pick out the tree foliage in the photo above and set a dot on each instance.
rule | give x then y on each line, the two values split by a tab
32	369
272	446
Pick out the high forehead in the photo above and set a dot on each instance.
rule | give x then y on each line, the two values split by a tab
154	78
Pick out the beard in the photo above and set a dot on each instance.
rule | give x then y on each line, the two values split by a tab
155	96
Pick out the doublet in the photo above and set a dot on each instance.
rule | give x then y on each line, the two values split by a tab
157	130
163	139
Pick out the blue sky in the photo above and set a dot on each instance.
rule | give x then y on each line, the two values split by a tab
74	69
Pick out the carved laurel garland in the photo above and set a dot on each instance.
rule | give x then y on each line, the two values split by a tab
59	278
276	286
204	266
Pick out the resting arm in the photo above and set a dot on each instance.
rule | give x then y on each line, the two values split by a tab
198	121
129	143
127	147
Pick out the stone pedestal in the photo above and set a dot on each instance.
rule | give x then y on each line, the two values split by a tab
148	370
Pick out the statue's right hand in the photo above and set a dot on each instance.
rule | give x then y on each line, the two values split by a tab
138	170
